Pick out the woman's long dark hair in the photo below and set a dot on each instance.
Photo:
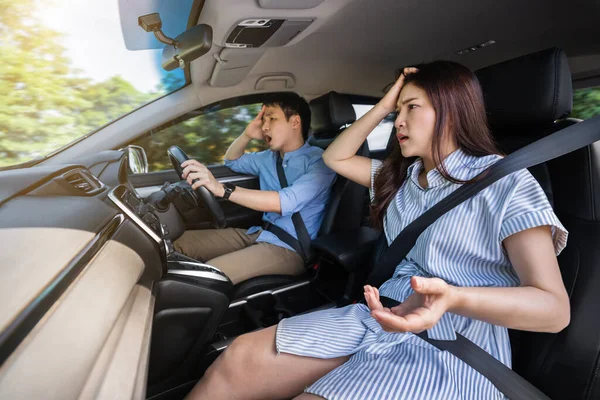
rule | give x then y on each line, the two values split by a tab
456	97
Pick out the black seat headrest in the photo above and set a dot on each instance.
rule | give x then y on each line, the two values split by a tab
532	90
329	113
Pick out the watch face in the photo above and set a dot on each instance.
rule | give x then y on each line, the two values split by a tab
229	188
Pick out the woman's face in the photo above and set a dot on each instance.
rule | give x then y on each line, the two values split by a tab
415	123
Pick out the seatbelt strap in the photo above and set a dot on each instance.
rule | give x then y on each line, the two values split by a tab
511	384
553	146
283	236
302	244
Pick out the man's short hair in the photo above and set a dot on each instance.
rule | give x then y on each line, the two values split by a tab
292	104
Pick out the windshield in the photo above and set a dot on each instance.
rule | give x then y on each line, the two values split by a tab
65	72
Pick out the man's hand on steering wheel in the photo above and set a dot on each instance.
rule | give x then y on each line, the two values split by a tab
193	170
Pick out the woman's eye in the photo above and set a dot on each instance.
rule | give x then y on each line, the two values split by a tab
412	106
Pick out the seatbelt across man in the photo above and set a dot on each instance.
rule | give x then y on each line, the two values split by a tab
552	146
302	244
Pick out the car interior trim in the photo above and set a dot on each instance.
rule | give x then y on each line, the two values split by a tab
133	217
20	327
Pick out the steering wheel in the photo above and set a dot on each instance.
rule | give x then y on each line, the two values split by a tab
177	157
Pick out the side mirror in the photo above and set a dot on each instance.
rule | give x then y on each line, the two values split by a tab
137	160
185	48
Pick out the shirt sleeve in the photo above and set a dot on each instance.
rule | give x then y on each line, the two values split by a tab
528	207
246	164
317	180
375	167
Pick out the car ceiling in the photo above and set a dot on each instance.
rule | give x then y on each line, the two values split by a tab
355	46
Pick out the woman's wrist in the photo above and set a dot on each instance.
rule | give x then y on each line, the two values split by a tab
381	111
456	298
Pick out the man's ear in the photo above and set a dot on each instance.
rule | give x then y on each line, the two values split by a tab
296	122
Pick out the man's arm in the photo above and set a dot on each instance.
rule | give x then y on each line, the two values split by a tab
237	148
259	200
285	202
252	131
291	199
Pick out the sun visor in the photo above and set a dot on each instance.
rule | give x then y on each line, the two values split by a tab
233	65
173	13
289	4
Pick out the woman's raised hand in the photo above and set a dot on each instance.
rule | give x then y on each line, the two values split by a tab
390	99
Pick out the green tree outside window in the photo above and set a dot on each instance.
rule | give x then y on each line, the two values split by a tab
204	138
586	103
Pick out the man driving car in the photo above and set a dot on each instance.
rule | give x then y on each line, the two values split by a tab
295	188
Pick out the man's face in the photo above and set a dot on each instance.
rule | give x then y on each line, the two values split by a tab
277	130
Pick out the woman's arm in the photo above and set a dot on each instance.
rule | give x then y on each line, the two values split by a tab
540	304
341	156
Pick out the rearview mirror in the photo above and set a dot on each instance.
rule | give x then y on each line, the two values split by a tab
185	48
191	44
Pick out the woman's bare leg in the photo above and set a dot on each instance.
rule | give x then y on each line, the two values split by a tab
251	369
308	396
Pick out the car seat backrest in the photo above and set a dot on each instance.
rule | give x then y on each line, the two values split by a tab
330	114
528	98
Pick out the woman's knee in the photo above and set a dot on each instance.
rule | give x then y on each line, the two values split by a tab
248	352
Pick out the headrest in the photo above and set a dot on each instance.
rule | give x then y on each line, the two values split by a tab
535	89
329	113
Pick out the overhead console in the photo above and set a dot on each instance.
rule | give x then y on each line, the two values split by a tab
265	32
245	44
289	4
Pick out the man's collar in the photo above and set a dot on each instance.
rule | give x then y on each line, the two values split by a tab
299	150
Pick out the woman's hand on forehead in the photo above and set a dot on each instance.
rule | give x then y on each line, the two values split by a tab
390	100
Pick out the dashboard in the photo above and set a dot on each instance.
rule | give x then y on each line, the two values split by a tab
141	213
80	255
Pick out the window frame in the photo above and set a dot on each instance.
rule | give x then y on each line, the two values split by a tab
216	106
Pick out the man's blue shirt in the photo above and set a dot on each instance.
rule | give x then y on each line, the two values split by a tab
309	190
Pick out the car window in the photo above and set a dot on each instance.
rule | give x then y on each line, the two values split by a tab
66	72
204	137
586	102
379	137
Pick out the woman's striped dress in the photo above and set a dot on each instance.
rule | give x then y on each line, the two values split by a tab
463	247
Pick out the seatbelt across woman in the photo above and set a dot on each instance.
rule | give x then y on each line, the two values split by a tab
552	146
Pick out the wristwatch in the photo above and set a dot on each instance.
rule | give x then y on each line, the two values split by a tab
229	188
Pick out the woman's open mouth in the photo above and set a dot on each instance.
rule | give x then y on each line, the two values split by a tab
267	139
402	138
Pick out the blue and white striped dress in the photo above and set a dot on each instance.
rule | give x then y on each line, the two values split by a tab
463	247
